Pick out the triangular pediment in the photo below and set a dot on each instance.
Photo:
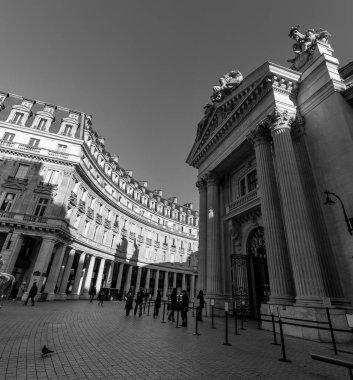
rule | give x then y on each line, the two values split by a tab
226	115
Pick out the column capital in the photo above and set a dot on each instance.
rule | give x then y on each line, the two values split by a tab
279	121
201	184
260	134
212	178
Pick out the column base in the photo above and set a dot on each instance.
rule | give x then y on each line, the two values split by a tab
313	314
61	297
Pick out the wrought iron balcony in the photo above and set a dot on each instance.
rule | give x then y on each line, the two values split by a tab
107	224
99	218
90	213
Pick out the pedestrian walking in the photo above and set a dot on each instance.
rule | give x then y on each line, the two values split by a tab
21	290
92	293
128	303
157	303
139	301
184	308
173	304
32	293
101	297
201	299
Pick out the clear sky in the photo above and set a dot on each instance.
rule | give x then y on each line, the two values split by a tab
145	69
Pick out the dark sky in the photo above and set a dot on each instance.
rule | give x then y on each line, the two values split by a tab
145	69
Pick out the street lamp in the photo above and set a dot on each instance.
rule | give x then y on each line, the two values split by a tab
329	201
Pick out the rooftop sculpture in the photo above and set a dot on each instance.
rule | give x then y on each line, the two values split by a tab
305	44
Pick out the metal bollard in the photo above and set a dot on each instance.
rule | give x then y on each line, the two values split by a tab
235	321
274	331
196	327
163	321
331	331
284	358
226	331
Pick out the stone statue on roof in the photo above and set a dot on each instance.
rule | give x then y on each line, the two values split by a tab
228	82
305	44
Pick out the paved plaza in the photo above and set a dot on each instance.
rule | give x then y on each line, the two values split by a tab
93	342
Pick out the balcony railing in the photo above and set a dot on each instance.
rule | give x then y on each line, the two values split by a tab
99	218
107	224
242	201
90	213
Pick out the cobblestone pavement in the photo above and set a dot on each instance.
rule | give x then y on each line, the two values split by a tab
93	342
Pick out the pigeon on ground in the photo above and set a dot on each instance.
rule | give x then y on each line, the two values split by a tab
46	351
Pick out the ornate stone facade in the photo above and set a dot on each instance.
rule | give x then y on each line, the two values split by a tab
71	216
285	139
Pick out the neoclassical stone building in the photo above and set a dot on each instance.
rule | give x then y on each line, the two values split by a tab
71	216
267	148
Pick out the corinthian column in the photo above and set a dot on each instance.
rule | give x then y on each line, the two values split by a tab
305	265
281	279
213	260
202	186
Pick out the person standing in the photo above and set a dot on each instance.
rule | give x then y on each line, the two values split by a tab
157	303
201	299
173	304
128	303
184	308
92	293
32	293
139	301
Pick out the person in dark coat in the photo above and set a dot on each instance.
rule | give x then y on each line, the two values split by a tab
129	301
201	299
173	304
92	293
139	301
32	293
184	308
157	303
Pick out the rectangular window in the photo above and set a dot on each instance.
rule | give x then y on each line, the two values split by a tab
62	148
52	177
18	118
42	124
67	130
8	137
252	181
22	171
41	206
33	142
242	187
8	202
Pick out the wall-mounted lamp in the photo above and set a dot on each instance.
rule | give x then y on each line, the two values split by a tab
329	201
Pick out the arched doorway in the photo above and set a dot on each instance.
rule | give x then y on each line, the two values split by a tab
259	287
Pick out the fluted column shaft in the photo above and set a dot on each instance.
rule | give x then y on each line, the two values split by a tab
281	279
202	257
66	275
326	257
305	266
213	280
148	276
100	275
54	272
120	276
78	275
165	285
89	274
156	284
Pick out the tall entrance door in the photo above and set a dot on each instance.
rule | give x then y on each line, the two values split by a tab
250	281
